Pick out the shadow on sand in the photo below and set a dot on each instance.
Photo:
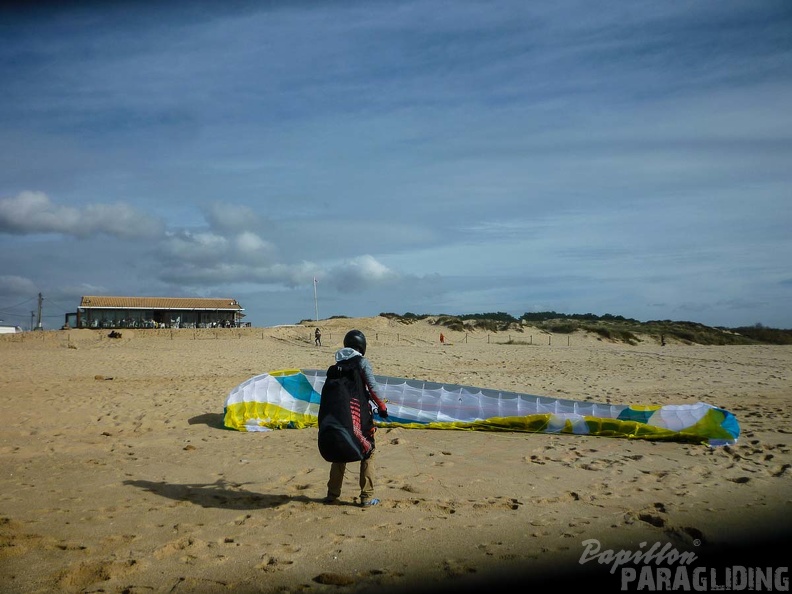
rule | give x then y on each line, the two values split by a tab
220	494
214	420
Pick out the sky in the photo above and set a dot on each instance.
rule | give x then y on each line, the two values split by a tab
351	158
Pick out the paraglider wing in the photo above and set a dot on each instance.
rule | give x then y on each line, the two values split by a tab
290	399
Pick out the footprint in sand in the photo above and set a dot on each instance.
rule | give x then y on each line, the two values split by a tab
599	464
408	488
279	558
82	575
454	568
15	541
780	471
496	549
180	545
271	564
501	502
652	515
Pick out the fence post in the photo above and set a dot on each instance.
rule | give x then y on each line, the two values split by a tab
549	339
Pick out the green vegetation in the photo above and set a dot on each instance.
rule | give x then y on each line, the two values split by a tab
311	321
765	335
607	327
491	322
471	323
551	315
619	328
407	318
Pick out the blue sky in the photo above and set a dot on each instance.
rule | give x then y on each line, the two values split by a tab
631	158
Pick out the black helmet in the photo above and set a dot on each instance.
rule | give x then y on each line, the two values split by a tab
356	340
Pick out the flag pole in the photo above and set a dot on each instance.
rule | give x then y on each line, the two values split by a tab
316	303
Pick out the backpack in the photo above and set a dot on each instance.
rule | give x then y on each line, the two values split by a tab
346	425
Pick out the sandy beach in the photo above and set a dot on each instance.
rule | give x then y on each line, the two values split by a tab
118	475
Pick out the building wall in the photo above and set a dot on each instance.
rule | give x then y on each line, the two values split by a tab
153	318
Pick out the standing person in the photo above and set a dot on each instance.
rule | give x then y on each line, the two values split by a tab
346	423
442	338
318	337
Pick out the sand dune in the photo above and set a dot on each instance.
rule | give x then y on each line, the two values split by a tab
118	475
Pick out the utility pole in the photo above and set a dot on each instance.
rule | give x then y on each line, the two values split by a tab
38	324
316	303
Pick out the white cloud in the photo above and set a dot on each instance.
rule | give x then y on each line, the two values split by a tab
33	212
248	243
223	216
204	249
11	286
359	274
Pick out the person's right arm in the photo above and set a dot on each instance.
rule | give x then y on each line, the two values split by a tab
371	385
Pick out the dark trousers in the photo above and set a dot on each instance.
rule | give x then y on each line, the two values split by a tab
366	479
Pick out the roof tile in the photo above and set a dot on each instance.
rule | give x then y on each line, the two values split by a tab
95	302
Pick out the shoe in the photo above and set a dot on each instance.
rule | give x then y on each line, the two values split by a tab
330	500
368	502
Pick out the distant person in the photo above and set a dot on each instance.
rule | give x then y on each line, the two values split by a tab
318	337
346	422
442	338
